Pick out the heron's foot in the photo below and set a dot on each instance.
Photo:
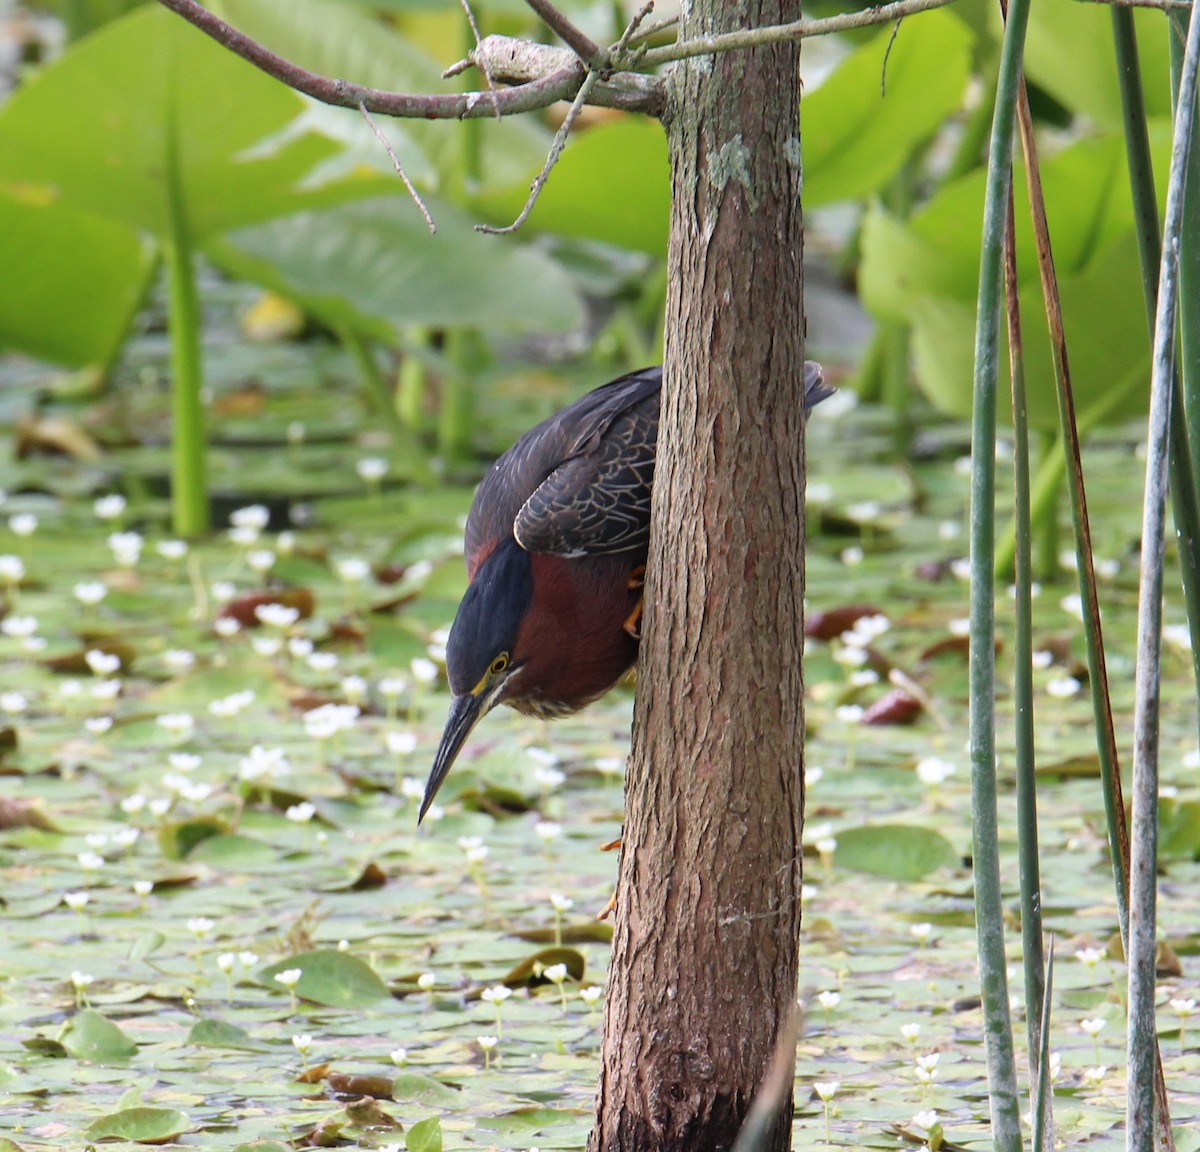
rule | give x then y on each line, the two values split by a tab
607	910
637	577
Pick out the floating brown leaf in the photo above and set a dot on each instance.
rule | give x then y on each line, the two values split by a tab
242	609
896	708
831	623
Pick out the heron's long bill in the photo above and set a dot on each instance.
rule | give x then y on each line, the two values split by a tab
465	713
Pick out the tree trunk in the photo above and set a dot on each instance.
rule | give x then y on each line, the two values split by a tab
704	965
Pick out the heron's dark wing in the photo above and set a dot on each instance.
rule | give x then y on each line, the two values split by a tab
580	481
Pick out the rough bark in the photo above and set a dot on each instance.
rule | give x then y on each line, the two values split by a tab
704	965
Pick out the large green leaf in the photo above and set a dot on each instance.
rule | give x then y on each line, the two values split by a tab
374	267
925	271
339	39
169	113
897	851
612	184
335	979
88	1035
74	281
142	1125
883	100
1069	52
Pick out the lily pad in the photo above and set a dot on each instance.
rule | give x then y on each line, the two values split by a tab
335	979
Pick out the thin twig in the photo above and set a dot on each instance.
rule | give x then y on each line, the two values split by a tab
416	196
558	84
887	55
575	38
663	25
560	141
487	70
633	26
780	33
1162	5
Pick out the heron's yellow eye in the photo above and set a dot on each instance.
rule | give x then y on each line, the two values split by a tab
499	664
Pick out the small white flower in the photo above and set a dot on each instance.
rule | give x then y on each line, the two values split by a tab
247	959
487	1043
352	569
256	516
82	980
922	931
547	830
929	1061
910	1032
126	838
102	663
76	901
826	846
400	1057
171	549
200	926
561	903
323	661
301	813
110	507
1063	687
300	647
591	994
302	1042
371	468
496	995
1184	1006
400	743
548	777
960	569
849	657
19	627
23	524
160	806
179	659
1042	660
260	560
90	861
1093	1076
177	723
223	591
14	703
1072	605
424	671
226	626
392	686
126	548
105	689
266	646
933	771
143	888
864	678
289	977
133	804
925	1121
263	762
354	687
556	973
829	1000
850	713
90	592
853	556
1089	957
226	961
276	615
427	981
826	1089
411	788
12	569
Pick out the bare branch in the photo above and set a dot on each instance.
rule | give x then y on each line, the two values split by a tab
387	144
633	26
560	141
583	45
780	33
1162	5
550	86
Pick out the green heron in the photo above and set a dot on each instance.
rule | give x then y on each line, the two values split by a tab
556	547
